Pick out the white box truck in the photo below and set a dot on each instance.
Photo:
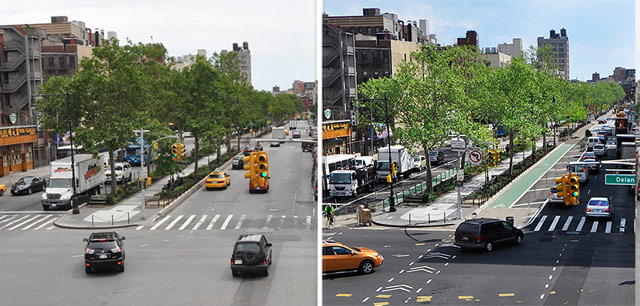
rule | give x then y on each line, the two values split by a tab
89	173
277	132
402	159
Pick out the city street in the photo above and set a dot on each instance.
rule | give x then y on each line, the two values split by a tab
183	257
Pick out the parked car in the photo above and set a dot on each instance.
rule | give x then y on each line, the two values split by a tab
485	233
339	257
296	134
3	189
588	155
259	147
217	179
600	207
123	173
251	253
274	144
436	157
248	150
237	162
420	163
553	197
104	249
28	184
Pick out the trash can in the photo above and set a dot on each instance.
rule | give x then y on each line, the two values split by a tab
510	220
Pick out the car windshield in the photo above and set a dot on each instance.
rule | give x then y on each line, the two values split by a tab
355	249
105	245
248	148
598	203
416	159
59	183
247	246
359	162
383	166
238	157
216	175
433	153
340	178
598	147
467	229
24	180
118	167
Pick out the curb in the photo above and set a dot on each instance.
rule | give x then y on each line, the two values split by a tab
62	225
417	225
535	215
175	203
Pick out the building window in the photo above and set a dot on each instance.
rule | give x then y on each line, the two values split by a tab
62	62
51	63
72	62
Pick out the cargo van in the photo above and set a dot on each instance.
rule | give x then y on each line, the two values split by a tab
581	169
592	141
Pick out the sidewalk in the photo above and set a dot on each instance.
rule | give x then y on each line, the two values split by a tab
443	211
130	212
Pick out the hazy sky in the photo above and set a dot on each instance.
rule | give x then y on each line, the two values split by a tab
280	33
601	32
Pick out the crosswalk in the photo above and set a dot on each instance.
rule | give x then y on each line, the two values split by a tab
35	222
230	221
581	223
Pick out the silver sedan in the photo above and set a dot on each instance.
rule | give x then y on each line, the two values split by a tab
600	207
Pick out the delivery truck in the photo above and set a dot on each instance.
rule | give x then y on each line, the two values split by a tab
277	133
401	159
351	182
89	174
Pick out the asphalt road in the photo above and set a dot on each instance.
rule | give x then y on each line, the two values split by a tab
183	260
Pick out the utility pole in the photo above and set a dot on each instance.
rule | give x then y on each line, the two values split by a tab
142	181
392	200
74	202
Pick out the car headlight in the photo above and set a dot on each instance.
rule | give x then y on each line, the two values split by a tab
89	251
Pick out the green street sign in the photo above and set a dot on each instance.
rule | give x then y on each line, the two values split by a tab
620	179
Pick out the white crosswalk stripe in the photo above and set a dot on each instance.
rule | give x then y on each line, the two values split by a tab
554	223
581	224
240	221
567	223
153	228
34	223
266	224
213	221
14	221
45	224
226	222
186	222
594	227
23	223
539	226
195	227
608	228
173	222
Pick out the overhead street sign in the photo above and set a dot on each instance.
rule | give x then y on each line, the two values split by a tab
458	145
620	179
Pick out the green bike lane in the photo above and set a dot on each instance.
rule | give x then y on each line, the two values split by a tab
525	181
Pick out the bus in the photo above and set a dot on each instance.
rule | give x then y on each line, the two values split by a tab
133	152
65	151
335	162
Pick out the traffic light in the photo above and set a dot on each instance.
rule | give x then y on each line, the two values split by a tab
263	165
494	157
574	188
175	155
393	168
180	151
249	164
389	178
561	189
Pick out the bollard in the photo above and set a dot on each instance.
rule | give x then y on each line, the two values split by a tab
128	222
91	220
111	219
409	219
429	215
444	217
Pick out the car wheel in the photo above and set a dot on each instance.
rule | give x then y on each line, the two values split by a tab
265	273
1	192
488	246
366	267
30	191
121	268
235	273
519	240
87	270
45	208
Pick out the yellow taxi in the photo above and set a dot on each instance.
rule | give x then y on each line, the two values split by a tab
217	179
3	189
339	257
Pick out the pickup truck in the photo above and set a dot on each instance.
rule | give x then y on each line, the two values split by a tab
123	173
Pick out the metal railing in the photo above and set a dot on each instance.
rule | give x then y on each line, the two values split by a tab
439	179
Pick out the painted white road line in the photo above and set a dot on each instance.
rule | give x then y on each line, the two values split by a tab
607	229
139	227
240	221
266	224
8	218
544	217
567	223
554	223
14	221
308	222
226	222
44	224
580	224
153	228
594	227
173	222
213	221
195	227
281	225
23	223
186	222
623	222
34	223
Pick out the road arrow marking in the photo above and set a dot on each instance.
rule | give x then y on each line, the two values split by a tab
402	287
400	255
623	222
422	268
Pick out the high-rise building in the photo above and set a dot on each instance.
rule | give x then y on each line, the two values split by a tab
559	50
244	59
180	62
470	39
514	49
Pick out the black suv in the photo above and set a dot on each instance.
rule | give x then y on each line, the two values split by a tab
104	249
251	252
485	233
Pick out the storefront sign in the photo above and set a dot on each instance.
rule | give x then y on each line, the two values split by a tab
335	130
17	135
13	132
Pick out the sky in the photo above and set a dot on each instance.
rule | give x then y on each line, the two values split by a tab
601	32
280	33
